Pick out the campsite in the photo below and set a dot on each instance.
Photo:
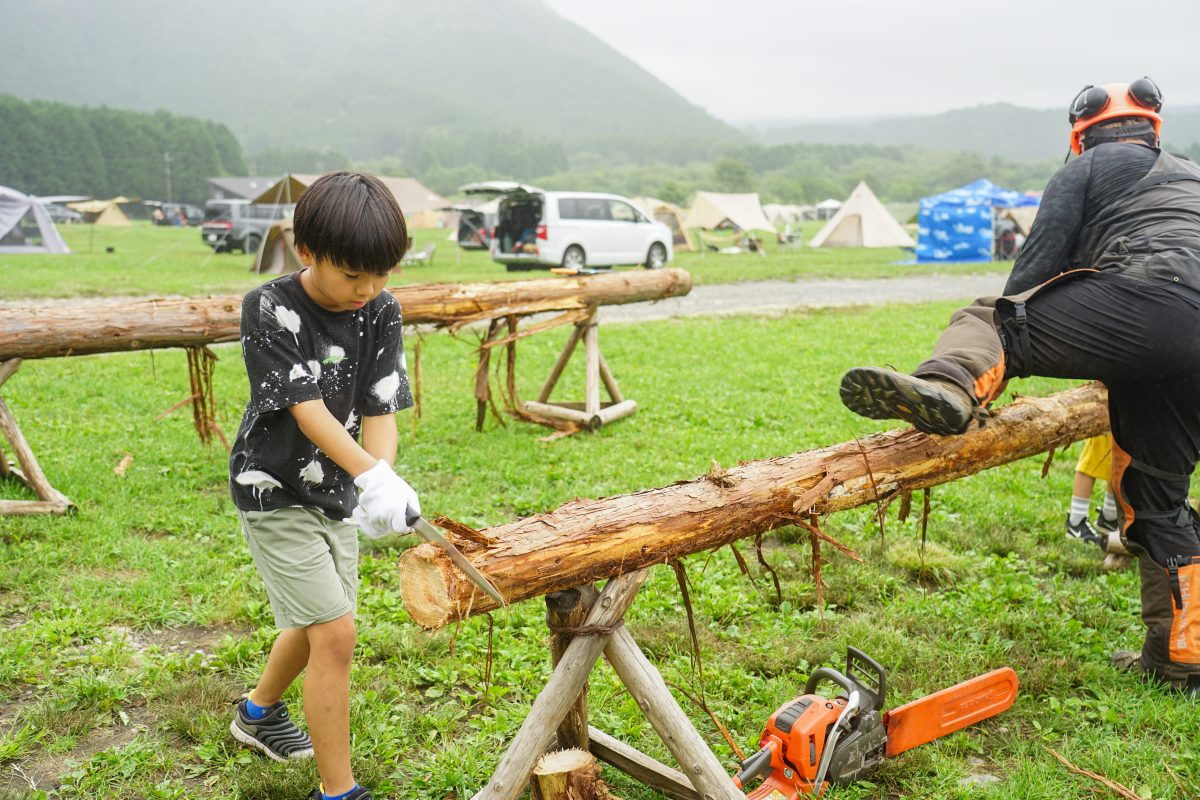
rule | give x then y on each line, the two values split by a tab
664	546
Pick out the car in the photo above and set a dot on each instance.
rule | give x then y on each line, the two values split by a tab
62	214
239	224
537	229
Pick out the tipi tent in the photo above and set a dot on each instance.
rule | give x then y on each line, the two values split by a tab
862	221
25	225
422	207
957	225
712	210
668	214
277	254
103	212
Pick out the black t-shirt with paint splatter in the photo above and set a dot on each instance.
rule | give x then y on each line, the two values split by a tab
295	350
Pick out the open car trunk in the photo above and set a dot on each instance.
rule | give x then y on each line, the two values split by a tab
520	214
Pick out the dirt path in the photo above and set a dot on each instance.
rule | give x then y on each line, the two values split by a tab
777	297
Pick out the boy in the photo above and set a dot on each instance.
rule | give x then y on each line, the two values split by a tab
325	361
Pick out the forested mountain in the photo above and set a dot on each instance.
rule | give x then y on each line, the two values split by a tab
506	84
52	148
998	129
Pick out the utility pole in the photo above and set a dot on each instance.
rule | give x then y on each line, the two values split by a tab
167	164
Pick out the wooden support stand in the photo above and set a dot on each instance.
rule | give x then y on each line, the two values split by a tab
559	712
26	470
591	413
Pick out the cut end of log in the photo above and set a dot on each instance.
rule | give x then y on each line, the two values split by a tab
563	761
567	775
425	589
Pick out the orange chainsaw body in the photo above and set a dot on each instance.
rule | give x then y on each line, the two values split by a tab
812	741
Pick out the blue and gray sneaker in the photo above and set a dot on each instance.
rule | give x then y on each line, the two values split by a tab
275	734
358	793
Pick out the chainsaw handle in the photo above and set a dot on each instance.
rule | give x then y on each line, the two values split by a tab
753	767
829	674
856	660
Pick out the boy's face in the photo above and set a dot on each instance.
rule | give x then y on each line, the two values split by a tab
337	288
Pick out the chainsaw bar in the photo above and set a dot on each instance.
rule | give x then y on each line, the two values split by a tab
949	710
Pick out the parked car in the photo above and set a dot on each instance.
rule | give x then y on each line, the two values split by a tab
179	213
537	229
61	214
239	224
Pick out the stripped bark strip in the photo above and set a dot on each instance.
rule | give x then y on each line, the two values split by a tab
483	389
681	578
811	526
703	706
566	318
742	565
174	408
487	670
1123	791
464	531
880	507
1049	460
818	584
905	506
762	560
204	406
924	523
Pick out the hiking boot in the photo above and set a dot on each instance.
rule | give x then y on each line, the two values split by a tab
359	793
1131	661
275	734
931	406
1084	532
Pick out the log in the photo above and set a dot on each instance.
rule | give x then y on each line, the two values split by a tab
663	779
567	775
49	331
589	540
569	609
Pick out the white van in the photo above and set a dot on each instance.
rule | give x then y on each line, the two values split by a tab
537	229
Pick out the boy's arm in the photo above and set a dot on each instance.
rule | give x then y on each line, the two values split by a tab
332	438
379	437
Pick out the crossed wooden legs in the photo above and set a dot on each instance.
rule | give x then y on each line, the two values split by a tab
26	470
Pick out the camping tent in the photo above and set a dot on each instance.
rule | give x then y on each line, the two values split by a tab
422	207
668	214
957	225
711	210
277	254
784	214
862	221
25	225
103	212
827	208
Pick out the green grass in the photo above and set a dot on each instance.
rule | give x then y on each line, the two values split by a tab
148	260
97	692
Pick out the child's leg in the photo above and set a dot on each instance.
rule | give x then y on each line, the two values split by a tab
327	699
1081	497
289	656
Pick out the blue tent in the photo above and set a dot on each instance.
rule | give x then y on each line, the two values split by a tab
957	225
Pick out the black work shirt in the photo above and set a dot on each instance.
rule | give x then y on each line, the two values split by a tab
1076	196
295	351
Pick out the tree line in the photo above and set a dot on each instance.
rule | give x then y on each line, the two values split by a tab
49	148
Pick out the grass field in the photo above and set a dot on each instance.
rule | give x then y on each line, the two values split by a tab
147	260
129	626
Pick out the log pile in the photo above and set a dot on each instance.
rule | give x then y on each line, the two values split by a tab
589	540
50	331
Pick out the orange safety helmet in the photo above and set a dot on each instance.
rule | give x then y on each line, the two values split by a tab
1095	104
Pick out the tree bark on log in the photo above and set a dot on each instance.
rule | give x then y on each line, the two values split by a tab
589	540
50	331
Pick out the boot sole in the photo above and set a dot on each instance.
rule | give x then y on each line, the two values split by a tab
885	394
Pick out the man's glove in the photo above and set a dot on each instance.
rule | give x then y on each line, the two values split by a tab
387	502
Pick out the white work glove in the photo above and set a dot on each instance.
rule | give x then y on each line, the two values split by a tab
386	504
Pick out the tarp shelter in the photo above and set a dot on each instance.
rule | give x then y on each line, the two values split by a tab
957	225
827	208
103	212
862	221
277	254
711	210
25	225
668	214
421	205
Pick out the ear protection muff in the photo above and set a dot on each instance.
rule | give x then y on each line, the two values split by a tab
1095	104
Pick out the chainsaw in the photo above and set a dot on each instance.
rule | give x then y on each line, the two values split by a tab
812	741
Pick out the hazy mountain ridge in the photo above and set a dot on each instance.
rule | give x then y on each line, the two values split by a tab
364	77
997	129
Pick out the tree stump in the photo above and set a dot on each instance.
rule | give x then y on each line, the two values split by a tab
568	775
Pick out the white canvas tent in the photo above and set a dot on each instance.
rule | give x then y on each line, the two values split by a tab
827	208
862	221
422	207
744	211
25	225
784	214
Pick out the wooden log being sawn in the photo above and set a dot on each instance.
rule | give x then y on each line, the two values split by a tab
589	540
50	331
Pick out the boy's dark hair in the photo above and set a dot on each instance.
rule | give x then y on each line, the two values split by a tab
352	220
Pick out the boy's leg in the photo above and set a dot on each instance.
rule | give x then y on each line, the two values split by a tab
327	699
1078	525
289	656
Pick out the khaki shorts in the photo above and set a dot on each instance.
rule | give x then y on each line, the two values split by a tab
308	562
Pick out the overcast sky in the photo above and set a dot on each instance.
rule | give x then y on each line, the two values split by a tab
746	60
